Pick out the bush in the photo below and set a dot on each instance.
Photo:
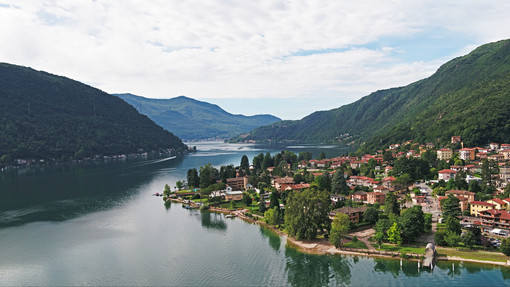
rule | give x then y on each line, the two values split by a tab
354	239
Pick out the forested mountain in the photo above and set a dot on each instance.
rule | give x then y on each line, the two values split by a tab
194	120
468	96
45	116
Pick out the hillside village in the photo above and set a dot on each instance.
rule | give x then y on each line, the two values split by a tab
471	183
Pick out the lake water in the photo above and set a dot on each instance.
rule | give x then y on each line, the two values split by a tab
97	224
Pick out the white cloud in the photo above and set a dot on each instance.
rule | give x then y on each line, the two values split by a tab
234	49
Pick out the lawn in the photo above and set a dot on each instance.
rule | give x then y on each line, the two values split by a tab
406	249
358	244
476	255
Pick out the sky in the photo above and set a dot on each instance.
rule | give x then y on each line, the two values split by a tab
286	58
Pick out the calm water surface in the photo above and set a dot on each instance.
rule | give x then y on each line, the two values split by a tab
97	224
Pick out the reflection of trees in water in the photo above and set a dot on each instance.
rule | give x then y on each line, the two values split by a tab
316	270
387	266
449	268
168	204
274	239
213	221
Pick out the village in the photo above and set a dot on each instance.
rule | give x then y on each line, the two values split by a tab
469	184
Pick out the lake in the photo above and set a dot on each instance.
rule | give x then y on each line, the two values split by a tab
97	224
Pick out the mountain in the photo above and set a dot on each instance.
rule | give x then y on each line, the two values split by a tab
45	116
468	96
195	120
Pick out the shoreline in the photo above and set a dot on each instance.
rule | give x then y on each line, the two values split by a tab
323	247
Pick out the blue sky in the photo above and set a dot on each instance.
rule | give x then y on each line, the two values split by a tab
287	58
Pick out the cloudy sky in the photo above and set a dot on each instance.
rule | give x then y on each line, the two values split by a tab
287	58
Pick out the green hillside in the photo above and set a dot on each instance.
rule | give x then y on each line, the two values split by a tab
468	96
44	116
195	120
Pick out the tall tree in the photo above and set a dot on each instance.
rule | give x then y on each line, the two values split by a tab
245	163
306	213
339	228
412	222
192	178
267	162
339	183
394	234
207	175
391	204
450	206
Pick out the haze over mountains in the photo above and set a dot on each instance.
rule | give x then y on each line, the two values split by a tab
468	96
195	120
44	116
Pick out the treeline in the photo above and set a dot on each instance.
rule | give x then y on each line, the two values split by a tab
44	116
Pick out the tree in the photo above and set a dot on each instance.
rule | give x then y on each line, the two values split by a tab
468	239
474	186
391	204
323	181
262	205
306	213
322	156
505	246
371	215
394	234
207	175
339	183
179	184
382	227
267	162
245	163
450	206
379	238
270	216
439	237
453	225
232	204
460	180
192	178
166	191
247	199
452	239
339	228
273	199
427	226
412	223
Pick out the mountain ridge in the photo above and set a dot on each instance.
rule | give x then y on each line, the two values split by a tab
447	103
46	116
192	119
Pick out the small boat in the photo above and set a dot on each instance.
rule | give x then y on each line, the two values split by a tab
230	216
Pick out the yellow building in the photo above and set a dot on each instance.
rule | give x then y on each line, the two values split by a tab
444	154
478	206
499	204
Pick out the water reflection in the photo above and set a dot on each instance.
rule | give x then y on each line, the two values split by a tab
65	191
212	220
274	239
327	269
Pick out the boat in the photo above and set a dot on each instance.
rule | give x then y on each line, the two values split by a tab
230	216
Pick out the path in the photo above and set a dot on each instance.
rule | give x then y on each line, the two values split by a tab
364	235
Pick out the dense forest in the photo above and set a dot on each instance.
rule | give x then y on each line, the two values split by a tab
43	116
468	96
195	120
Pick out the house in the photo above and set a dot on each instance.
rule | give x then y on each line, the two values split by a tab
376	197
475	207
493	218
505	146
299	186
467	154
237	183
444	154
499	203
233	195
419	200
494	146
464	197
277	183
446	174
456	139
359	196
336	198
355	213
496	157
505	153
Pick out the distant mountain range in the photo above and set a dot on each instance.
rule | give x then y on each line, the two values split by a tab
195	120
468	96
44	116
